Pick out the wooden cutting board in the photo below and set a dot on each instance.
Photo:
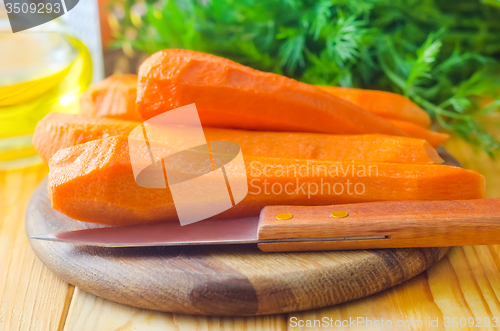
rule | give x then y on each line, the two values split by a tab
219	280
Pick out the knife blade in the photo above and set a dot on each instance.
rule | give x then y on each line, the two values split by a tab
373	225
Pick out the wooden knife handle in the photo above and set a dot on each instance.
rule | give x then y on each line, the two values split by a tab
401	223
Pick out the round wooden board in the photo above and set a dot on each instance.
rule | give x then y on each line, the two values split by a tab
218	280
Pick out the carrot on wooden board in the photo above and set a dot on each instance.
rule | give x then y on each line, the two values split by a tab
57	131
230	95
318	146
113	97
434	138
382	103
94	182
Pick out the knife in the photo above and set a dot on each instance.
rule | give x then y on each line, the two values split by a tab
392	224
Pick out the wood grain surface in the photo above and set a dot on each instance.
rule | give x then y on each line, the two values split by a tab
465	283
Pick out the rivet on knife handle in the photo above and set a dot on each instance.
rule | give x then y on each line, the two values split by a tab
339	214
284	216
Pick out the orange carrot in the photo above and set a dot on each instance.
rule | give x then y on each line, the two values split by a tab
57	131
230	95
317	146
94	182
114	97
384	104
434	138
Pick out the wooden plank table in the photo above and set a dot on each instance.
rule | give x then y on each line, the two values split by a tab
466	283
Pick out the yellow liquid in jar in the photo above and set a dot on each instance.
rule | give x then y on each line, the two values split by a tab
39	73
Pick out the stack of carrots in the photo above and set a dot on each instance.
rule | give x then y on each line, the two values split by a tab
277	122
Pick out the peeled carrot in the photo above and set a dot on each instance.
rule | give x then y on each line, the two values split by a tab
113	97
384	104
94	182
434	138
230	95
57	131
317	146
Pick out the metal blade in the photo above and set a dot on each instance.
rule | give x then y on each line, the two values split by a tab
211	232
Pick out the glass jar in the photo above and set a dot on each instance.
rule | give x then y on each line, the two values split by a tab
43	69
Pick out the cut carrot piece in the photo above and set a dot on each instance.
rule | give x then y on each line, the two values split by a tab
94	182
57	131
317	146
113	97
384	104
230	95
434	138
